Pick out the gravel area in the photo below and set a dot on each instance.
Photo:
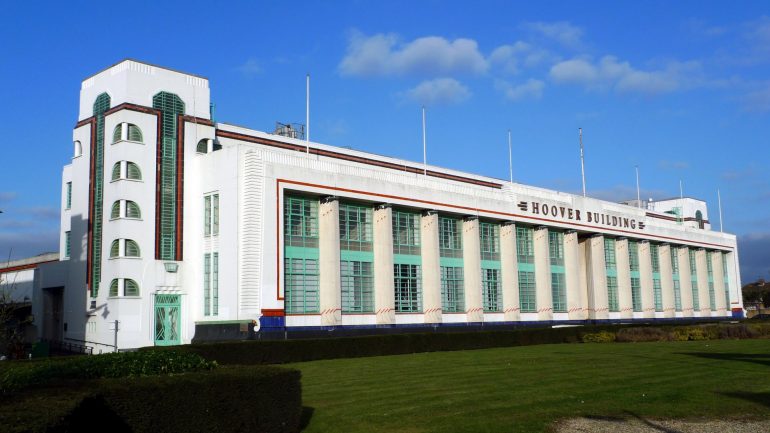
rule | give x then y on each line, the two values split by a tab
641	425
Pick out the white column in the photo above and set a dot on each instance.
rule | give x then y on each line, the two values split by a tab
703	283
666	281
474	307
124	131
329	262
431	271
384	298
719	283
685	282
510	269
575	299
645	280
733	276
583	275
623	266
596	272
543	293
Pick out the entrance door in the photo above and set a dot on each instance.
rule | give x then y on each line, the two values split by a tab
167	320
52	313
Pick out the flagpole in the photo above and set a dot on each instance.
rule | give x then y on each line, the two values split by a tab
510	156
719	200
638	194
424	146
307	113
582	164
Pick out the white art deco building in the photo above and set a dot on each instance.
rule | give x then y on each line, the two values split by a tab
181	228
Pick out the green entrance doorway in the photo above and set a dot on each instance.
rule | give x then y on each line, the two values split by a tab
167	319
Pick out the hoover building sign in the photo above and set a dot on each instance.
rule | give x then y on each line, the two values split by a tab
572	214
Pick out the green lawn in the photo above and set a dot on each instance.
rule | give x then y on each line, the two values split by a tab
526	388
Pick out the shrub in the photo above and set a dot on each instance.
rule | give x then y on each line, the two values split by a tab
22	375
256	398
737	332
689	333
636	335
599	337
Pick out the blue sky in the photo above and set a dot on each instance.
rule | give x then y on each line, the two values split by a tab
681	89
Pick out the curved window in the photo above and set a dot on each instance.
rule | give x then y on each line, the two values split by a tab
133	172
115	210
130	287
116	171
78	149
132	210
134	133
114	287
132	248
115	249
117	133
203	146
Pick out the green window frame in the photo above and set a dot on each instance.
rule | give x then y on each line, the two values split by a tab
452	289
406	233
68	201
130	287
355	227
171	107
101	105
113	288
300	221
612	294
115	211
67	244
133	210
633	256
450	237
132	171
211	284
491	290
116	171
301	285
132	248
115	249
710	271
674	260
525	248
117	133
407	288
636	294
657	294
527	292
726	278
207	284
694	279
556	247
489	241
677	295
654	258
357	281
202	146
610	259
559	292
211	215
134	133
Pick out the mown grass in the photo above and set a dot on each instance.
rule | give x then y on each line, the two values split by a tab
525	389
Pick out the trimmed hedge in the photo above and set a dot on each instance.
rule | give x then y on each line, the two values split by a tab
286	351
20	375
256	398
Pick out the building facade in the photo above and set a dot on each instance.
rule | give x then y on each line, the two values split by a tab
177	227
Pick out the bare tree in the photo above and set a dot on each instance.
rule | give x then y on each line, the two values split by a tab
13	321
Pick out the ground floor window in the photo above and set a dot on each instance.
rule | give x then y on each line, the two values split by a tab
657	294
677	296
636	294
357	286
712	297
301	285
559	292
407	288
612	294
527	292
695	295
452	293
491	290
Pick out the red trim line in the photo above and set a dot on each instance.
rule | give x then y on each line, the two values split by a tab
132	107
200	120
273	312
23	267
358	159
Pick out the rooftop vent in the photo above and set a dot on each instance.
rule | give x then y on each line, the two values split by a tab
291	130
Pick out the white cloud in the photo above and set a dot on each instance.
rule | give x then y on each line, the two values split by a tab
510	58
441	91
532	89
561	31
250	67
382	54
620	76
